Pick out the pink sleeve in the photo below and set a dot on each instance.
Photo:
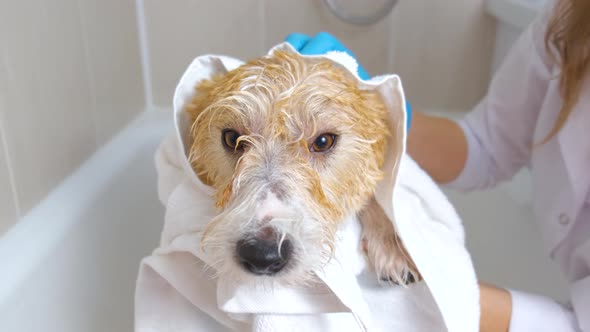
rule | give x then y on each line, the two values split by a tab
499	130
540	314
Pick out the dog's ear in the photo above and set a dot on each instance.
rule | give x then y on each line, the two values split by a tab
204	96
203	93
392	94
218	67
383	247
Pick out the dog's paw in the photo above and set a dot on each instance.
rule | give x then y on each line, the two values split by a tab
388	257
383	248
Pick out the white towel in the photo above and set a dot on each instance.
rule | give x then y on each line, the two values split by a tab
177	291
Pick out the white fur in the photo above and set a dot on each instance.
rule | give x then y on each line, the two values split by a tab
247	214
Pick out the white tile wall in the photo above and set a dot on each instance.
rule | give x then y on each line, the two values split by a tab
49	124
70	78
8	209
112	43
441	49
71	71
181	30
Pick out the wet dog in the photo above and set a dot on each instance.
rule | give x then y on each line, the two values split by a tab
292	146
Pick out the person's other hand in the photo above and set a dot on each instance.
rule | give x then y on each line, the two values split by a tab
323	43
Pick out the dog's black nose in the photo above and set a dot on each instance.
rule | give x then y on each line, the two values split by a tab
261	256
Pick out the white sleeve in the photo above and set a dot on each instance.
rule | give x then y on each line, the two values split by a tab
540	314
500	129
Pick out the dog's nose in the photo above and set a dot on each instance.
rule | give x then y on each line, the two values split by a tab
262	256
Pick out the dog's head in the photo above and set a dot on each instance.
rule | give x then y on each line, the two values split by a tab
292	146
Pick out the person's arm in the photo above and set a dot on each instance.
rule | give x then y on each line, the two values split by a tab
488	146
438	145
496	139
496	309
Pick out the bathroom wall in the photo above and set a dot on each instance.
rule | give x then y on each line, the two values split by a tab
71	74
441	49
70	77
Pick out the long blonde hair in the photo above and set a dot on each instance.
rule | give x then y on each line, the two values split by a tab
567	41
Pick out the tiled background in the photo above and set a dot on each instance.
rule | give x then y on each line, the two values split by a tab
71	73
441	49
70	77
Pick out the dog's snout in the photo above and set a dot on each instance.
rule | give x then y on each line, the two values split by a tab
263	256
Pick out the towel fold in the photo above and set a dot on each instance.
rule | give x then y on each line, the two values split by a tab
177	290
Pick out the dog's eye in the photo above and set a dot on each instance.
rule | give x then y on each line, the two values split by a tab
323	143
229	137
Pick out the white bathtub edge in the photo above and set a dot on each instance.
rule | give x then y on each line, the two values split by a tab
75	193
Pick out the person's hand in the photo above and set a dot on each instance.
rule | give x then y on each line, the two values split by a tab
323	43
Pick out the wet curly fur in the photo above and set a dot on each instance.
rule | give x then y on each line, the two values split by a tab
274	179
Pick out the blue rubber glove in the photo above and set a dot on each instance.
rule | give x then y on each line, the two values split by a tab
323	43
